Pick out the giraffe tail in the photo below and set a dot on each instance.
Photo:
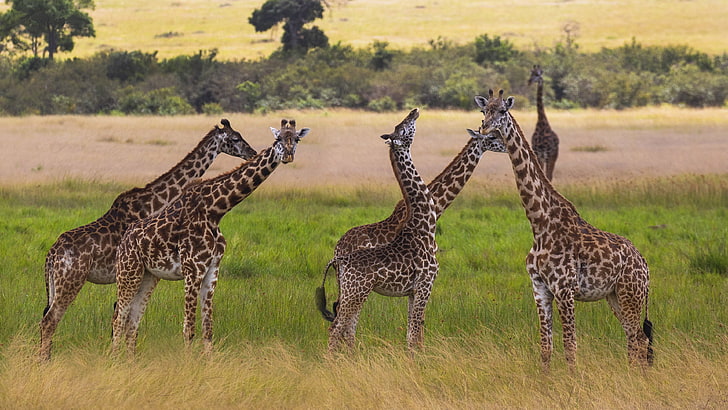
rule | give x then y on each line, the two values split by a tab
321	297
49	283
647	328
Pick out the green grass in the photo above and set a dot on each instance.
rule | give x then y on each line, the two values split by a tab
481	327
185	27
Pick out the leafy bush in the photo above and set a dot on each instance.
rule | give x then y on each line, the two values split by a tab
442	75
382	104
212	109
163	101
132	66
492	50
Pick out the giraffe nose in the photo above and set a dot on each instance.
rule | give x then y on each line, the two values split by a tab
287	158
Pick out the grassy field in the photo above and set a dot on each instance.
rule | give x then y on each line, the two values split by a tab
481	333
659	178
184	27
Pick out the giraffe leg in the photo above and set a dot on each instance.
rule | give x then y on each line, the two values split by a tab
565	304
137	308
544	299
627	307
208	290
416	317
550	167
65	286
192	288
129	276
343	329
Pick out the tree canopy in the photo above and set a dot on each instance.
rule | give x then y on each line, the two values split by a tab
294	14
53	23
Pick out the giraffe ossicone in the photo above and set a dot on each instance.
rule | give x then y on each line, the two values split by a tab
184	242
571	260
87	253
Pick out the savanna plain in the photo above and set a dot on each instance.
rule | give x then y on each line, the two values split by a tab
655	175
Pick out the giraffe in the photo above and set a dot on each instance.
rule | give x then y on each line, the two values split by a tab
571	260
407	266
544	140
87	253
184	242
444	189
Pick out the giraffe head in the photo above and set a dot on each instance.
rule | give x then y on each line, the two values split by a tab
404	132
488	142
536	75
232	143
287	139
495	112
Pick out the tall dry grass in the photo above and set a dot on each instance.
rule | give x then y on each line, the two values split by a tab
471	372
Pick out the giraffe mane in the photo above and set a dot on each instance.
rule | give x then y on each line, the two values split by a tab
203	141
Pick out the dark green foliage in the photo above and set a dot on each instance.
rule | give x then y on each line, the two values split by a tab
54	22
492	50
381	57
162	101
294	14
442	75
130	66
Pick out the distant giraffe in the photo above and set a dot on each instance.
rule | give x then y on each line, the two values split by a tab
544	140
184	242
443	189
404	267
87	253
570	259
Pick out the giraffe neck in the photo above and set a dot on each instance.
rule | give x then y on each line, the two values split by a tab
220	194
542	203
542	121
448	184
420	215
167	187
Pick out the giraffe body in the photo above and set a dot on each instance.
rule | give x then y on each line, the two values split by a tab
87	253
544	140
571	260
184	242
406	266
443	189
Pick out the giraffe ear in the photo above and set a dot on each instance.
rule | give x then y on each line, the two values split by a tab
509	102
276	132
474	134
303	132
481	101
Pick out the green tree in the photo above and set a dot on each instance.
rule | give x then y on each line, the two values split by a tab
10	39
492	50
53	22
294	14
